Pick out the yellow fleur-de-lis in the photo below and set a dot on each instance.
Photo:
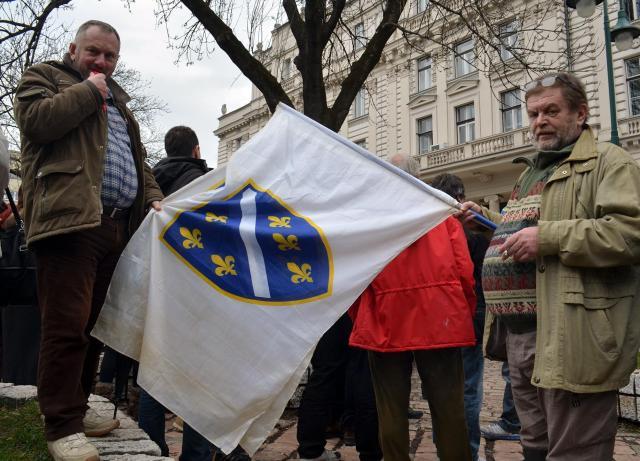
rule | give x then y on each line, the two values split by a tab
225	266
286	243
211	217
300	273
285	221
193	238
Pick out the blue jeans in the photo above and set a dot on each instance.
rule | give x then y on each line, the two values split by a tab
151	420
509	420
473	363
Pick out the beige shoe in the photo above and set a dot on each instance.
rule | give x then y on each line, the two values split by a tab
178	424
74	447
97	425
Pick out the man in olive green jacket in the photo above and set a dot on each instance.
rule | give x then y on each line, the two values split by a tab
86	188
563	275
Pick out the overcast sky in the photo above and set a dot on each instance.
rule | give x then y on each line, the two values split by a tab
194	94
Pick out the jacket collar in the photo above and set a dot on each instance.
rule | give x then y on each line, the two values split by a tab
66	65
585	147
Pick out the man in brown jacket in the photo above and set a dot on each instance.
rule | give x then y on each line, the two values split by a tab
86	189
562	272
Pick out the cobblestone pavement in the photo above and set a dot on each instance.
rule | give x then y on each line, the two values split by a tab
281	444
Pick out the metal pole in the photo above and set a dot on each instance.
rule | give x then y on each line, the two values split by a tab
612	94
567	31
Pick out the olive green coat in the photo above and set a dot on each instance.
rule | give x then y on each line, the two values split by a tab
63	132
588	278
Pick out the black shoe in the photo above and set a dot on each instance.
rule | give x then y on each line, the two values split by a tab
534	455
349	438
494	431
238	454
414	414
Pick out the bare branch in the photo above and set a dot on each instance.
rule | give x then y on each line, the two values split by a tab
248	65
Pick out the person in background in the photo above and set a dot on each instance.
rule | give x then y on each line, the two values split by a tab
181	166
86	189
420	307
507	427
472	357
562	273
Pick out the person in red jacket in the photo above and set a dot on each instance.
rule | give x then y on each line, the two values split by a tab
420	306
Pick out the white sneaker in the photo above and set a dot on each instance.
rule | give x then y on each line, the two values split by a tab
74	447
325	456
97	425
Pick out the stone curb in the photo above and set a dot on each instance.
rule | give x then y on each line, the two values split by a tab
127	443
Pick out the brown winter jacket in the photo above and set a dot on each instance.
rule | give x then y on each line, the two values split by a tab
64	137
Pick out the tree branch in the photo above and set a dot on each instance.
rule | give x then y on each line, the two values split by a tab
248	65
296	23
361	69
338	8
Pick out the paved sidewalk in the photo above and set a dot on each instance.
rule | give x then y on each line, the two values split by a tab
281	444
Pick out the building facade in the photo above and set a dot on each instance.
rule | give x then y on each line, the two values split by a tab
457	106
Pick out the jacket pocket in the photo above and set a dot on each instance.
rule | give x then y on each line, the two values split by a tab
593	337
32	93
597	310
57	188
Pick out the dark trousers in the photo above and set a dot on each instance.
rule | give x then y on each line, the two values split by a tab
359	388
325	388
118	366
473	364
74	271
151	420
442	379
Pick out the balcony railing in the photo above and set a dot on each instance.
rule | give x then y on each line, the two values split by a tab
483	147
629	126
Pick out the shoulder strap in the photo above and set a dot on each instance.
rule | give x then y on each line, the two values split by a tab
14	208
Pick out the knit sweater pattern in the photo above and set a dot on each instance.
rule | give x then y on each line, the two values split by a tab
510	286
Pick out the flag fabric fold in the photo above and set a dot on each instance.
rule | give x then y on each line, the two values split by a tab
223	295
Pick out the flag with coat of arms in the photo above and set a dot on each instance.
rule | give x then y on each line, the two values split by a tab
223	295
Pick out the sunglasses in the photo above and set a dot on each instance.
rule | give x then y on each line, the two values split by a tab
548	81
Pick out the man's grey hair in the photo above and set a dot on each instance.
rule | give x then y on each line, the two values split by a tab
104	27
406	163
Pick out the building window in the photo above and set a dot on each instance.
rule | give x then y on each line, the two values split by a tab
362	143
359	105
465	123
511	107
629	6
508	39
633	84
422	5
286	69
359	39
464	58
425	74
425	134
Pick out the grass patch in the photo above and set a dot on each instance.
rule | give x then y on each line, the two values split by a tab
21	434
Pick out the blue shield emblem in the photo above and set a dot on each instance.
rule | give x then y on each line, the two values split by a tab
252	247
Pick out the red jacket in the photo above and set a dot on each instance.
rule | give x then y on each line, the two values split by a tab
424	298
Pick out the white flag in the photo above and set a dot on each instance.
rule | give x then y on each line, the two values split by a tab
223	295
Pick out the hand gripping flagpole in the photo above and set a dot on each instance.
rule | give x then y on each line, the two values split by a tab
453	203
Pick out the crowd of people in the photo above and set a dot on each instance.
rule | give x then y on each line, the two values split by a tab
560	272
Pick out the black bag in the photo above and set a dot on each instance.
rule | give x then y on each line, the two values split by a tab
19	313
496	348
17	263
